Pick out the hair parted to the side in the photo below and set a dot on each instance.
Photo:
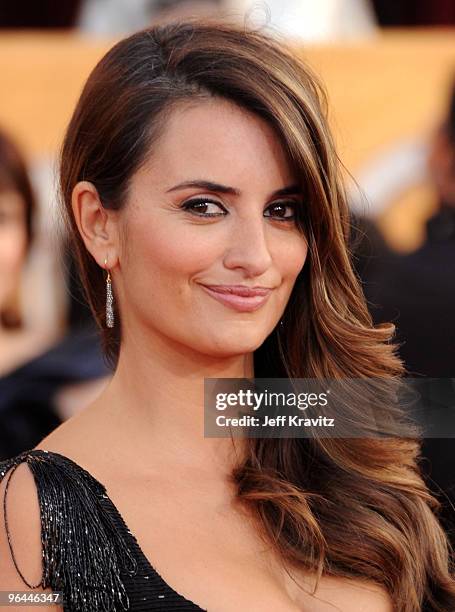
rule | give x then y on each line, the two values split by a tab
345	507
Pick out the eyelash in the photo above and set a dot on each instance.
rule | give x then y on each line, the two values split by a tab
187	206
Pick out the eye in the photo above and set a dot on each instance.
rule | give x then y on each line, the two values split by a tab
198	206
280	207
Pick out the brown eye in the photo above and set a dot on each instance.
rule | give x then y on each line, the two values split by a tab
280	208
198	207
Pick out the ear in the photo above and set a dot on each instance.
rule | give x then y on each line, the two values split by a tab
97	225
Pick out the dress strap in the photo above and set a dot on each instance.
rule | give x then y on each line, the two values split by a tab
83	551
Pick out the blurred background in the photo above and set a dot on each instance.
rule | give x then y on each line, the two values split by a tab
389	69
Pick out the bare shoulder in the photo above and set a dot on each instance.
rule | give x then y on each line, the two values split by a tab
357	597
78	437
46	498
23	524
346	595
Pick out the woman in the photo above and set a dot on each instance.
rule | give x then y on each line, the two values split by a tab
17	206
25	416
199	159
34	373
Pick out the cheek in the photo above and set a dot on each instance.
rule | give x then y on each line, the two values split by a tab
12	249
12	254
163	259
292	258
175	249
166	256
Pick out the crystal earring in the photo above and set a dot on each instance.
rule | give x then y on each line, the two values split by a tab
109	300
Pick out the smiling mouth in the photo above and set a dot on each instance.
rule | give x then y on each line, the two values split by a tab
231	296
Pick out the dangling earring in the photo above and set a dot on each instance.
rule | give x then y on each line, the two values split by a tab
109	300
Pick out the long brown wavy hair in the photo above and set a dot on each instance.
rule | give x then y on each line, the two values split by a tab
355	508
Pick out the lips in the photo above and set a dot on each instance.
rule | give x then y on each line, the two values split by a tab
240	298
239	290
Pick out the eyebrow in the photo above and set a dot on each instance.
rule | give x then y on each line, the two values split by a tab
210	186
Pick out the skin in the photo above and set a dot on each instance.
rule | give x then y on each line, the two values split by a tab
143	436
13	241
16	344
159	254
441	164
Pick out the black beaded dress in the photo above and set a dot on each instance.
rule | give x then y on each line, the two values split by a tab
88	552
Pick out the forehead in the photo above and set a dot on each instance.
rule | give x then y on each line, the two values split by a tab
217	139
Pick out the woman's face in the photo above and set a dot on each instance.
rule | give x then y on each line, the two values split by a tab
174	250
13	241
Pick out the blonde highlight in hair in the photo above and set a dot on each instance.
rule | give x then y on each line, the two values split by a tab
353	508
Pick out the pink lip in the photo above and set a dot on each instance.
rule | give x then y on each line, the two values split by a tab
238	297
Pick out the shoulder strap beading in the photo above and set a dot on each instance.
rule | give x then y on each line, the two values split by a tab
83	552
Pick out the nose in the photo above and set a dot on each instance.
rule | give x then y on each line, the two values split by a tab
248	246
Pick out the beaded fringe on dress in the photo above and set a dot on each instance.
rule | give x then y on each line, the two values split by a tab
83	553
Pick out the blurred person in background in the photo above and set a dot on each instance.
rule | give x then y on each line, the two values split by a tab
17	207
18	343
417	292
40	385
367	244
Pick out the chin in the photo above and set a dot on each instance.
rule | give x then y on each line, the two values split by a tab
236	342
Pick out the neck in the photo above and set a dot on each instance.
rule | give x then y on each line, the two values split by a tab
155	404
